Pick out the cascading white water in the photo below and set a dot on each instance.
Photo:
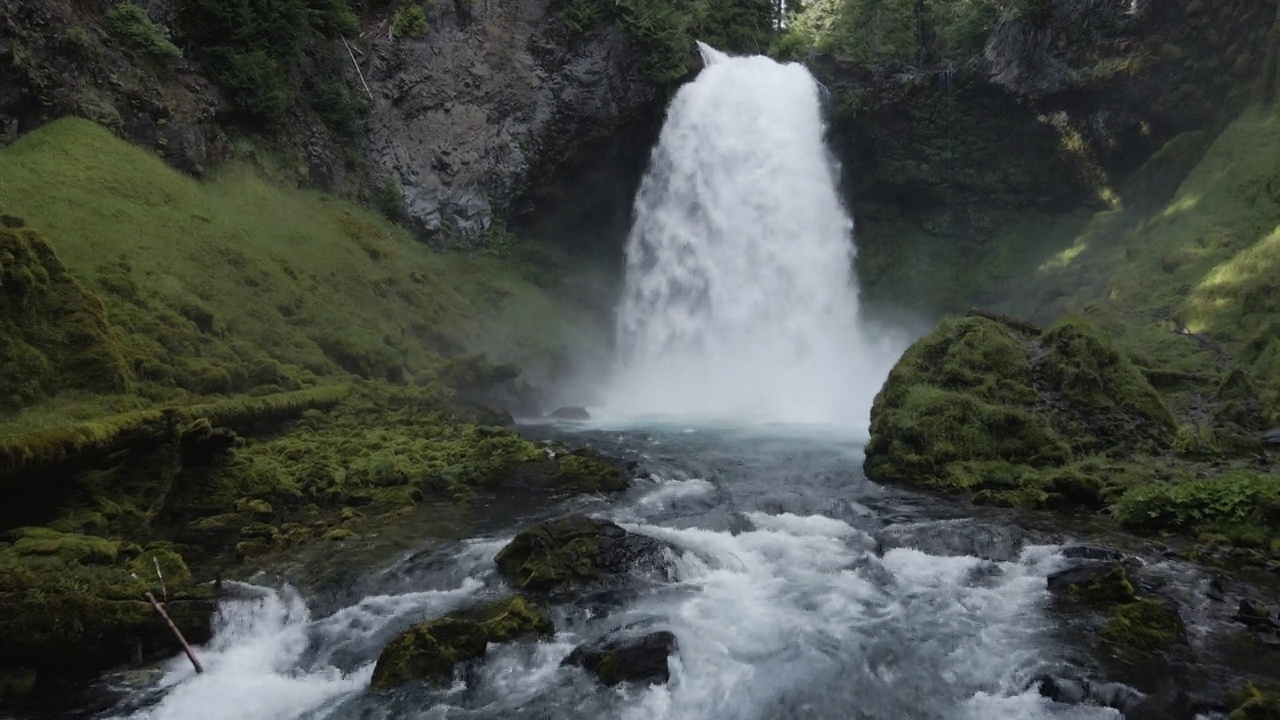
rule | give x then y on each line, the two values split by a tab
739	300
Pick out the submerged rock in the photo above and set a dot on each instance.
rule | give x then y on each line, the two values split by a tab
429	651
639	659
1082	691
575	550
950	538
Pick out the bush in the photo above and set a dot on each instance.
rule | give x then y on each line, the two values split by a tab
409	21
131	24
248	46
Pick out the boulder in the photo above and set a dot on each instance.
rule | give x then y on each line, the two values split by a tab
575	550
1001	413
640	659
429	651
1094	583
949	538
1082	691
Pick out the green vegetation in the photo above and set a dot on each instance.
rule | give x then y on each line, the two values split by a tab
1250	703
224	370
409	21
913	31
250	47
1144	626
130	23
428	651
665	31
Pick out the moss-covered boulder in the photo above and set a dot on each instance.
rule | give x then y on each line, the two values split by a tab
1145	625
54	334
429	651
1000	409
1250	703
73	605
1094	583
640	659
576	550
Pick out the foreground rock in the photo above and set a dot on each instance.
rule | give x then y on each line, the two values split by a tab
576	550
954	538
640	659
1134	623
429	651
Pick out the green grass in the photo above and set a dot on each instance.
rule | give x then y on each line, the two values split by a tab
205	280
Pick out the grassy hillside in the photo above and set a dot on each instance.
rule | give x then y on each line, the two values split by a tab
233	283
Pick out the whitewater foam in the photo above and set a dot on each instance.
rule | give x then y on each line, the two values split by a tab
739	300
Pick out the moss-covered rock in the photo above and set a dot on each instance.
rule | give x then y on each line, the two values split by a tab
980	405
429	651
1144	625
73	605
1250	703
1095	583
574	550
54	334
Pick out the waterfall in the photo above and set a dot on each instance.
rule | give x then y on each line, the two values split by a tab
740	301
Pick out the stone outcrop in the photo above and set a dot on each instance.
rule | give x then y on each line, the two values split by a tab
465	117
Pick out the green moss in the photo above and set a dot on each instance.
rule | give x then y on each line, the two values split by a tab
586	471
1107	588
16	682
161	570
82	549
1144	626
551	554
428	651
1250	703
54	334
339	534
131	24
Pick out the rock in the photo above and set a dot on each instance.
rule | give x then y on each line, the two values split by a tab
576	550
980	408
1093	552
570	413
640	659
1250	703
1255	616
429	651
1094	583
1145	626
952	538
1272	436
1081	691
1168	704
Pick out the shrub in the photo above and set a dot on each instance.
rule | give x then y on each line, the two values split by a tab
410	21
131	24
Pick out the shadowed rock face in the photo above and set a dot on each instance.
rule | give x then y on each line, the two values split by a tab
464	118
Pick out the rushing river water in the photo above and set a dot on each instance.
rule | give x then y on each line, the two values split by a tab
790	601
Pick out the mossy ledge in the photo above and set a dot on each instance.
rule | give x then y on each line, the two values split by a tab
80	442
429	651
1071	418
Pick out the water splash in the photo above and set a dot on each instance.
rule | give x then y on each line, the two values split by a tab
739	299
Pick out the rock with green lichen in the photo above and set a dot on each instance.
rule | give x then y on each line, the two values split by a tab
981	406
429	651
1094	583
1250	703
1145	625
73	605
576	550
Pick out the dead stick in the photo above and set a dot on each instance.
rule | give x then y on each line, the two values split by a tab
357	66
190	655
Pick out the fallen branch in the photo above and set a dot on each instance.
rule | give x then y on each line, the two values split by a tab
176	632
357	67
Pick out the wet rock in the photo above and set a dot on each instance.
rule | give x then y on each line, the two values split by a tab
1145	626
638	659
1092	552
1094	583
570	413
953	538
1082	691
1255	616
576	550
1272	436
1250	703
429	651
1168	704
